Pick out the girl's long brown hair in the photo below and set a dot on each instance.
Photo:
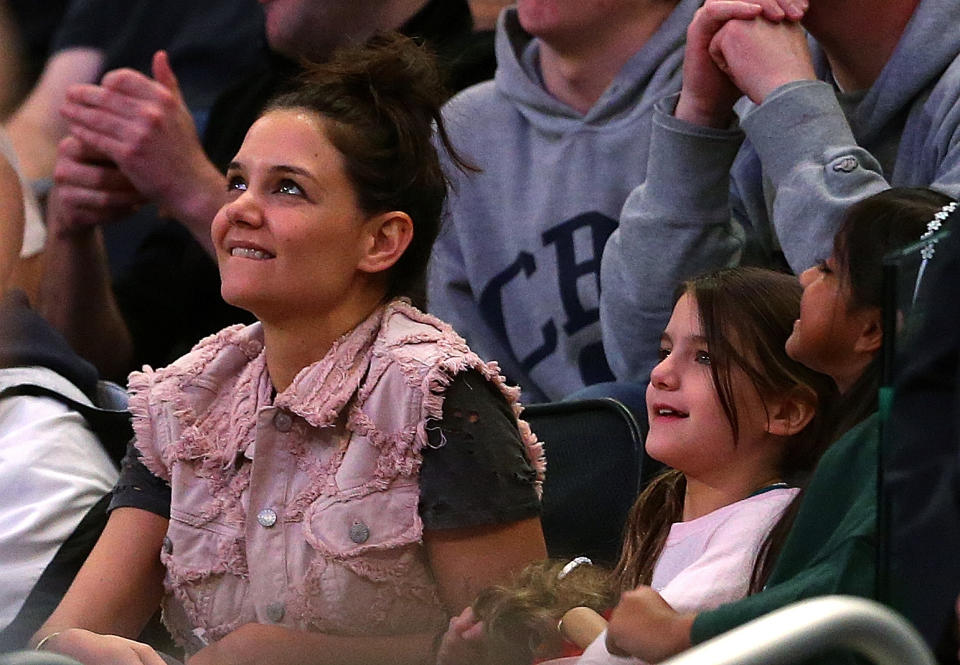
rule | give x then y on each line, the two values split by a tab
746	315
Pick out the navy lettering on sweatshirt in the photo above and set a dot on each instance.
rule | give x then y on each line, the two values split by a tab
570	269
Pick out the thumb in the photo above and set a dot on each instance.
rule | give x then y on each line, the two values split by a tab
163	73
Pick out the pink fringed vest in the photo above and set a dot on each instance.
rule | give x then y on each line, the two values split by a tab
301	510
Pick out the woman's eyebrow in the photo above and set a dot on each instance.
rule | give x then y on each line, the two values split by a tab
296	170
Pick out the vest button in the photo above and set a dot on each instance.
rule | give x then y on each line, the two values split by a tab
283	421
359	532
275	612
167	545
267	517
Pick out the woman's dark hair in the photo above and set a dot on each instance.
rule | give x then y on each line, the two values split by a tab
382	102
871	229
746	315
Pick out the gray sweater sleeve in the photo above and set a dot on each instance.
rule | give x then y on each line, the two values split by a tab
812	159
675	225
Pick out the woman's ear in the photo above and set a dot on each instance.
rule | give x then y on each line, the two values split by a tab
870	338
790	414
386	238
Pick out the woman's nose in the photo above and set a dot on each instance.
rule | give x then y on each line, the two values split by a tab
807	276
244	209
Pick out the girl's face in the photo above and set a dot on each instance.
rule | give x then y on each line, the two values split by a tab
289	238
825	335
689	430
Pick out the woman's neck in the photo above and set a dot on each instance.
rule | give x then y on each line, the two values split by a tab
294	342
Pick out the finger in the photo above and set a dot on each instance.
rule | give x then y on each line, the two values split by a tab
147	655
795	9
96	176
114	149
716	52
163	72
73	148
103	204
134	84
473	633
97	97
613	648
95	120
464	620
714	15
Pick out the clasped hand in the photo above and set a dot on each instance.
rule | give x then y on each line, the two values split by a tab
741	47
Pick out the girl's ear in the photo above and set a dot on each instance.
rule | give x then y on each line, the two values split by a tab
385	238
790	414
870	338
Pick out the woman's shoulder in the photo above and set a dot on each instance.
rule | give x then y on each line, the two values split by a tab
418	341
212	361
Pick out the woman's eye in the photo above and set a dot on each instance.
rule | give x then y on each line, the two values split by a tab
236	184
663	353
823	267
289	187
703	358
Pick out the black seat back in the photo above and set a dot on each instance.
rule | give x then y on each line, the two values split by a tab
595	469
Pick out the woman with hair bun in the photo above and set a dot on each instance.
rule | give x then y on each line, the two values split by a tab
333	482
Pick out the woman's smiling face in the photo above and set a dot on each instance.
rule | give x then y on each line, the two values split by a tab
289	239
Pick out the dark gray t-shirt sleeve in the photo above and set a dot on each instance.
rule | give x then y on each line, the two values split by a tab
138	487
475	471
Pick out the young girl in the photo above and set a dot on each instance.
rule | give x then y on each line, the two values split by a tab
737	421
330	484
840	328
830	547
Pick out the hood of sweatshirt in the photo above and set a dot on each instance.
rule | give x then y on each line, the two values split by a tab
924	52
26	340
518	77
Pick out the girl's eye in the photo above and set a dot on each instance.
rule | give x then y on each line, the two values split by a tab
236	184
823	267
663	353
287	186
703	358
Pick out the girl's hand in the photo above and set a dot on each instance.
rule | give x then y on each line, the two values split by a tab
95	649
462	644
645	626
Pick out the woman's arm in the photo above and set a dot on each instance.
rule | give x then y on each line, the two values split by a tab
465	561
115	593
11	221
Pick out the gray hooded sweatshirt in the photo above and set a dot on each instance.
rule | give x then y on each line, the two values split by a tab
516	270
781	181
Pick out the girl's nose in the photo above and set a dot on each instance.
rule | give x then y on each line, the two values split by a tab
807	276
664	376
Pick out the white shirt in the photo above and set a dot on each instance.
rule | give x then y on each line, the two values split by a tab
707	562
52	471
